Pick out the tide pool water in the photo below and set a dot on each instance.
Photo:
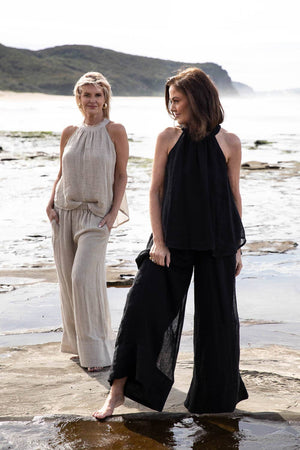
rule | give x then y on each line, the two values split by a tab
152	432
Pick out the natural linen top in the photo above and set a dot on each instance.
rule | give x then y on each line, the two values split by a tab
88	167
199	211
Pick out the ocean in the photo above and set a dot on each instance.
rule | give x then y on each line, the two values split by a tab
30	129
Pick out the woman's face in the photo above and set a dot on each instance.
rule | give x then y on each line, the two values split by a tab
179	106
91	99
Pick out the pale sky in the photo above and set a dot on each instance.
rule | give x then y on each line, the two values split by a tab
257	42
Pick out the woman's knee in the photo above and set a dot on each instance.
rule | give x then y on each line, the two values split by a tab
78	275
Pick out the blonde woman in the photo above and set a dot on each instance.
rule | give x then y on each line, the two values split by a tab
87	200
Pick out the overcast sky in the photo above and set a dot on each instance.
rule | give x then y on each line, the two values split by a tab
257	42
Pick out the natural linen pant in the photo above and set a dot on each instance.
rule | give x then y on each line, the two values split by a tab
149	335
79	253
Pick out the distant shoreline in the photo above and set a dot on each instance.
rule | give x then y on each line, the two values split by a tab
14	95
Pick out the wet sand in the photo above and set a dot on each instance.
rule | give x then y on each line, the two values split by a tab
47	399
114	275
40	380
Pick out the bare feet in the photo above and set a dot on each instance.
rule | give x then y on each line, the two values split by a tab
115	398
89	369
112	402
94	369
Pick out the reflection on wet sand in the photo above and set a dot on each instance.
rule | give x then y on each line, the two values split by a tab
153	431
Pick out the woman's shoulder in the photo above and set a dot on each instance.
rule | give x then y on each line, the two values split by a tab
168	137
230	144
115	127
67	133
170	132
230	139
115	130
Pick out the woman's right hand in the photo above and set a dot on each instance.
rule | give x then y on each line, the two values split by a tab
160	254
52	214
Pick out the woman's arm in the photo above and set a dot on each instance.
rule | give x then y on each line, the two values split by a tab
65	136
119	137
233	168
159	252
232	149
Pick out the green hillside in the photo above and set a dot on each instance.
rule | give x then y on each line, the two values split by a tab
55	70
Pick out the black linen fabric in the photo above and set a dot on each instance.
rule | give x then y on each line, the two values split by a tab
199	212
203	231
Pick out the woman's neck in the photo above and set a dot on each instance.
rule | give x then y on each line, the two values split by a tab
93	119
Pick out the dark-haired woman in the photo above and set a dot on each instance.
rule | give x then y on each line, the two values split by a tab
195	211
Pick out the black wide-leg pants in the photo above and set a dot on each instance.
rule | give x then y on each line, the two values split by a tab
149	335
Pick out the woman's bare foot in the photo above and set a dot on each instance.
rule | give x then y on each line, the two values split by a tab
112	402
94	369
115	398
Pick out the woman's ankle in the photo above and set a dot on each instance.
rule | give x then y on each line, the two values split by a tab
118	385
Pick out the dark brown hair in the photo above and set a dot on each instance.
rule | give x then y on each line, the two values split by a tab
203	98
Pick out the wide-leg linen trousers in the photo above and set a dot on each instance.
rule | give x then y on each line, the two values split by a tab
149	335
79	252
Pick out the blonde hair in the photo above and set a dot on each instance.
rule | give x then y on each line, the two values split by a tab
98	80
203	98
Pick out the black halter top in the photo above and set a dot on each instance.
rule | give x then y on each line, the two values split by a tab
198	211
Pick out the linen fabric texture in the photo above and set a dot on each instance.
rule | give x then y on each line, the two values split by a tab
199	212
203	231
79	251
149	335
83	197
88	164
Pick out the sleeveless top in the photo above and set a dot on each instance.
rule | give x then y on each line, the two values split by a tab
88	166
198	211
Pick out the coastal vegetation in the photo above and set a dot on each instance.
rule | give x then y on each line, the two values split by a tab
55	70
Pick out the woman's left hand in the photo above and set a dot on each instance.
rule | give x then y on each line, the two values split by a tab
107	220
238	264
